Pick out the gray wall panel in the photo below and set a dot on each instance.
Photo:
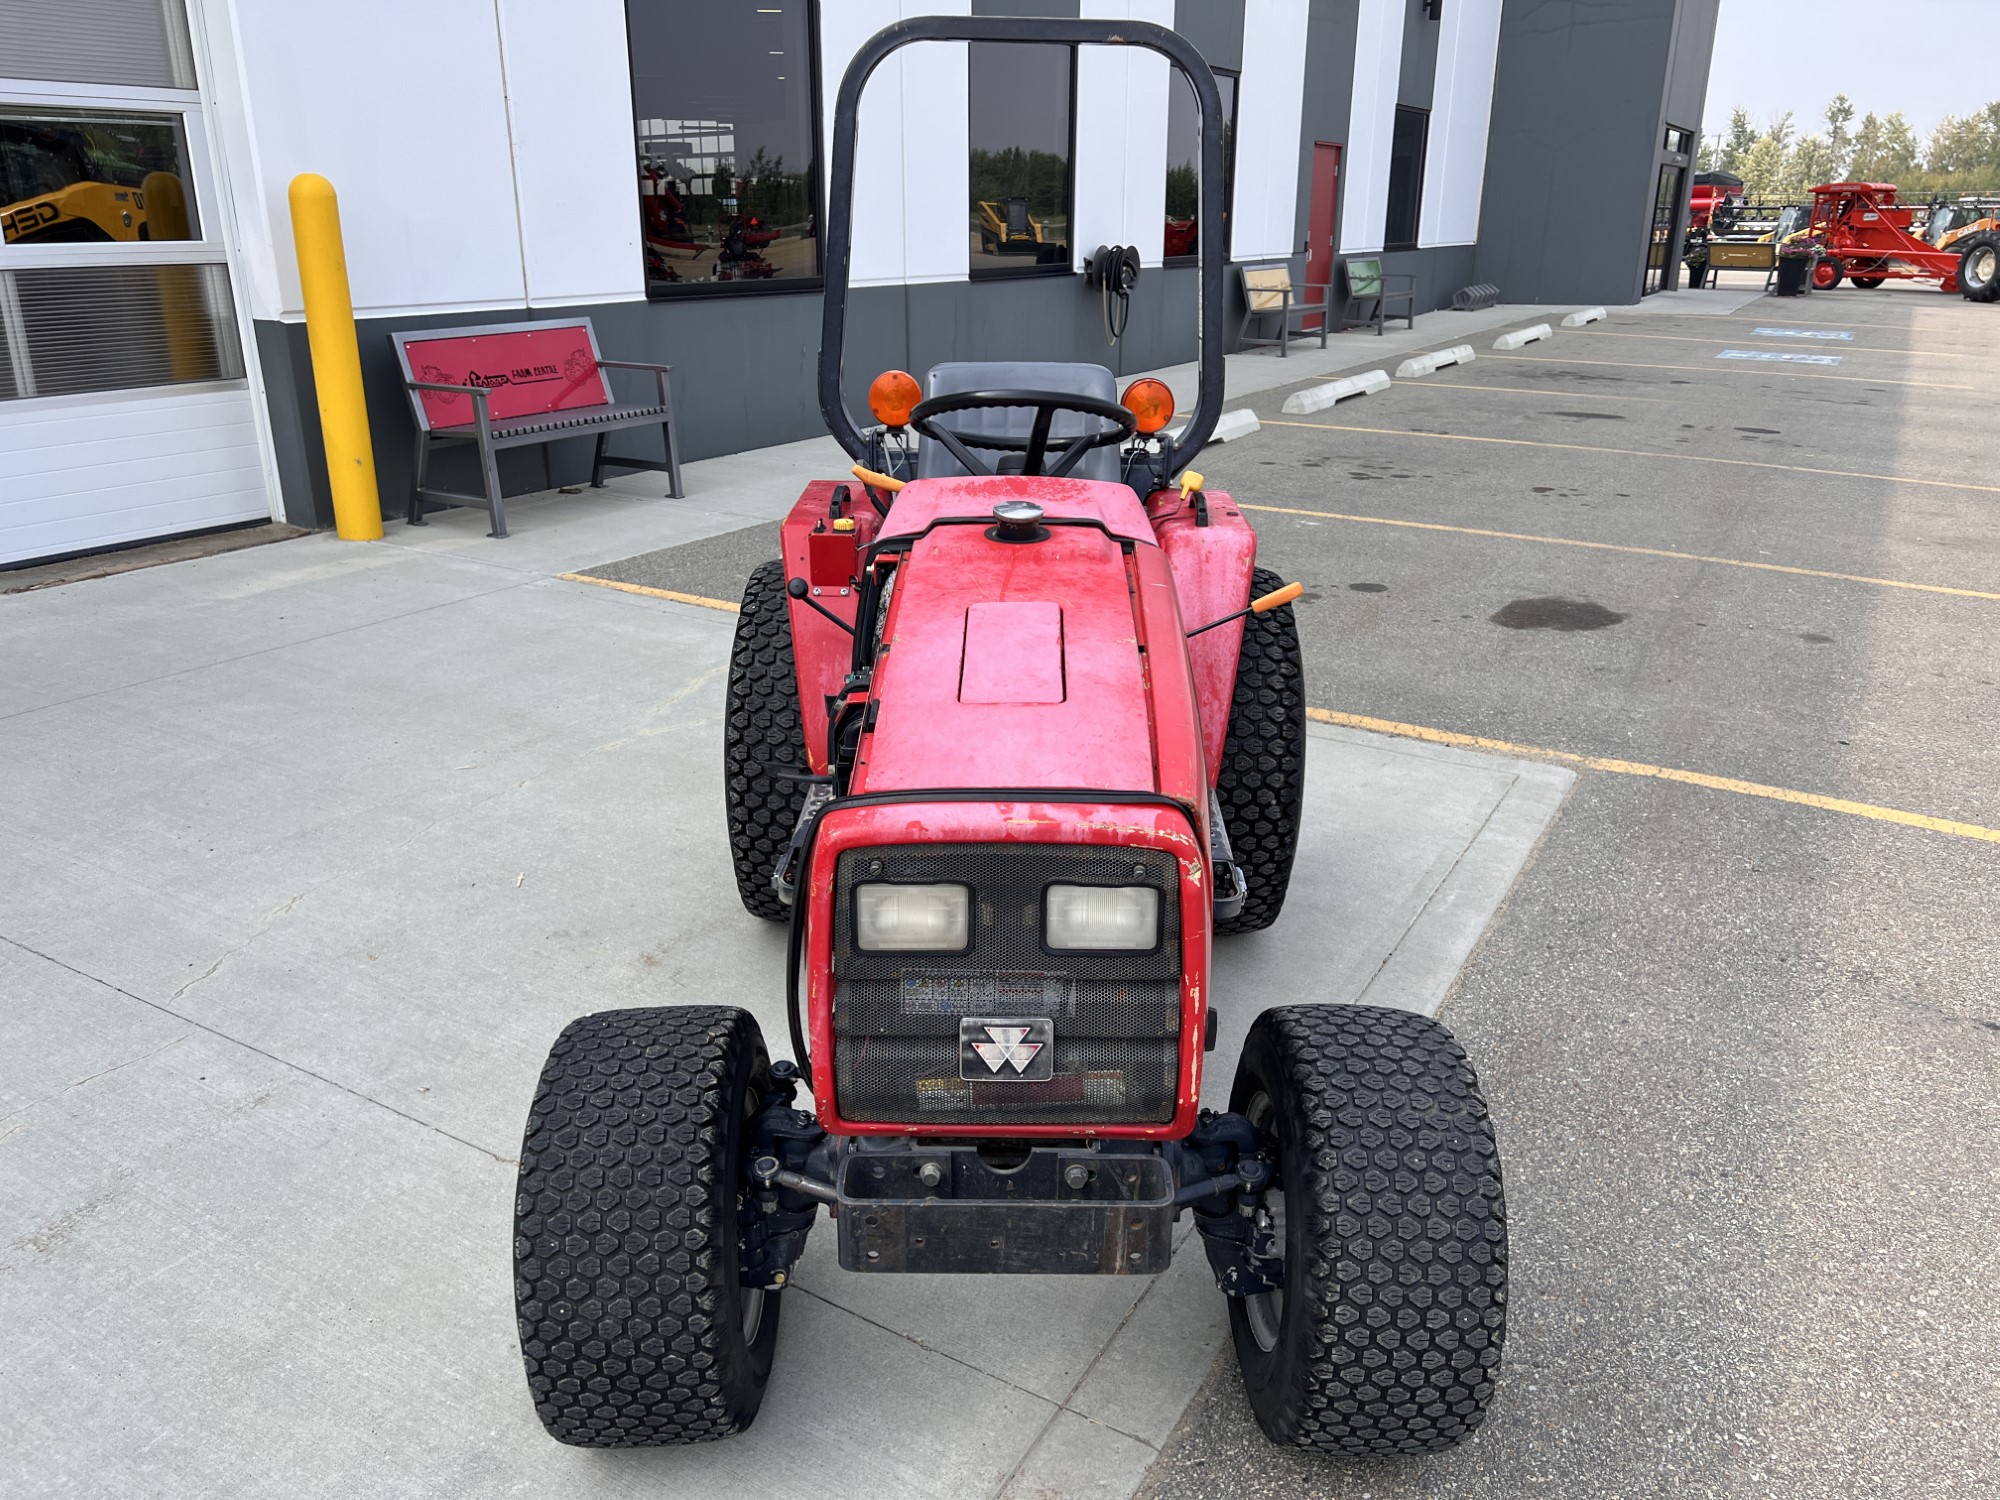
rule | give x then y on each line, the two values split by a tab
1216	29
1416	84
1572	156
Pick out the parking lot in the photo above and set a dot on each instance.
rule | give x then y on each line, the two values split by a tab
1654	695
1744	1049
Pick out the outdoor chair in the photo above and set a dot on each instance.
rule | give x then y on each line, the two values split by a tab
1366	299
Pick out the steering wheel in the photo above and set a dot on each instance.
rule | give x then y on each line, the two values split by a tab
1036	445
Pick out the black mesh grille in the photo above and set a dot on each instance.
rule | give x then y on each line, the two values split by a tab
1116	1016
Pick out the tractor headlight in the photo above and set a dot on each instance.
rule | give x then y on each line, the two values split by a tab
912	918
1102	916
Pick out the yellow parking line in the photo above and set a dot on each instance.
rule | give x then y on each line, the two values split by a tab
1564	541
653	593
1690	458
1842	346
1726	367
1661	773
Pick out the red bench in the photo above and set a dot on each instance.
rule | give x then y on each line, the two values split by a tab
513	385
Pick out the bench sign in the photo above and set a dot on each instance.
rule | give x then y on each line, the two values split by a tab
1789	359
1802	333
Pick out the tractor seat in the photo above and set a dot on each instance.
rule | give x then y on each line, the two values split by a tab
934	460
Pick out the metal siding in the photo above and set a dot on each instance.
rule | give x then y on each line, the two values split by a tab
1270	101
912	129
570	118
1455	170
1121	145
1573	149
80	473
1378	57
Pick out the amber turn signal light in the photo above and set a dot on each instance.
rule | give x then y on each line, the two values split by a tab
892	396
1151	402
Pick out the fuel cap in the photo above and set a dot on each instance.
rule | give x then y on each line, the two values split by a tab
1020	521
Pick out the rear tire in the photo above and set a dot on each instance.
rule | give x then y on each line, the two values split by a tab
1386	1338
1979	267
634	1328
761	729
1262	783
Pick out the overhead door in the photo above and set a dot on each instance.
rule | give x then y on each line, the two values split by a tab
124	408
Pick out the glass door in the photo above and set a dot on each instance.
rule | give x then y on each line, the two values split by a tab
1667	203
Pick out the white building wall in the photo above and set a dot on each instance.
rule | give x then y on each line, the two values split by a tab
1120	171
1371	125
912	171
1270	97
569	106
1461	109
482	149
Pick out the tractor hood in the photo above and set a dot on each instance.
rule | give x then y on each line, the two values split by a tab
1056	662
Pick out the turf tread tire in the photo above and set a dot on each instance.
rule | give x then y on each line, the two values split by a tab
762	727
625	1261
1262	783
1393	1198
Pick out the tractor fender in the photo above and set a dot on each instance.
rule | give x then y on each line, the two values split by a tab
821	650
1211	567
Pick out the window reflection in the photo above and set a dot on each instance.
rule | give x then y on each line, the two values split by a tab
725	142
1020	163
87	176
1184	163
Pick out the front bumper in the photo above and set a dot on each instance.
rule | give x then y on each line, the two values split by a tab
946	1208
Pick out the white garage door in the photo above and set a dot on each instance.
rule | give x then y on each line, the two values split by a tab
124	412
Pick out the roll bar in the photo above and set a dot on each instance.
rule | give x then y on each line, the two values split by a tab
840	195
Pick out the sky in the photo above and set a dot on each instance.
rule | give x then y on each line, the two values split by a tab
1914	55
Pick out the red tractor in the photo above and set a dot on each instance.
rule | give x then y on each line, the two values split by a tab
1015	733
1868	239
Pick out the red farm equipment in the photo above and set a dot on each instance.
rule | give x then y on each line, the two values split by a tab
1868	238
1015	734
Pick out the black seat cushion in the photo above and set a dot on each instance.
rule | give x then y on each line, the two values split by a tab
934	461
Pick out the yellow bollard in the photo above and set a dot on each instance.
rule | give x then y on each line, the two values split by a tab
336	359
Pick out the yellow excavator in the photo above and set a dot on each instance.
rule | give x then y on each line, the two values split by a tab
75	204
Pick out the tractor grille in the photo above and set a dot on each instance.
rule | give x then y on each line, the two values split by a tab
1116	1016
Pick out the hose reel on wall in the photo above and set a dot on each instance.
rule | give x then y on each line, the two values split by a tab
1114	271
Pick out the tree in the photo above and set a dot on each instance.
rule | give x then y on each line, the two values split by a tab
1839	139
1736	145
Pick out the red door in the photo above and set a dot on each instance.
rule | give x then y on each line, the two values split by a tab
1319	218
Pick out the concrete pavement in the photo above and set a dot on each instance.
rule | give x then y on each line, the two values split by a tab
309	852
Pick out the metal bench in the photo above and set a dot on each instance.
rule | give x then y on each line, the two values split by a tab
1732	255
516	385
1365	298
1268	293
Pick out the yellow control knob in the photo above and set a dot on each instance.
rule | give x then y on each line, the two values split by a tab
843	523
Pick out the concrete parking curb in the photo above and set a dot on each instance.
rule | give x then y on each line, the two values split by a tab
1320	397
1425	364
1522	336
1233	425
1583	316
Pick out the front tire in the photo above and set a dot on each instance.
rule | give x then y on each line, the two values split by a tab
1387	1334
1826	273
1262	783
634	1328
762	729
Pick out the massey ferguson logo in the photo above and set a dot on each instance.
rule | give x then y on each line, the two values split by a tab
1008	1049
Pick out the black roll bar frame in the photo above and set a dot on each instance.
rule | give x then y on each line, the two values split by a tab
840	197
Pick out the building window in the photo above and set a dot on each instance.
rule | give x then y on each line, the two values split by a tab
727	141
1184	164
1680	141
1406	177
1022	118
